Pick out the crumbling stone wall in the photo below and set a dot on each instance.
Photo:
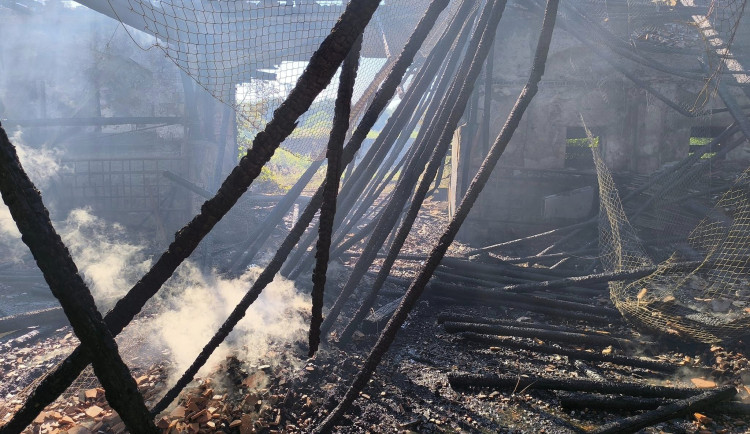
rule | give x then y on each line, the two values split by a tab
638	133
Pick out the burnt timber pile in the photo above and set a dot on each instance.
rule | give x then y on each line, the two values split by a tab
509	217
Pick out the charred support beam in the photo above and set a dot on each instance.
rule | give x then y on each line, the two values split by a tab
440	130
598	278
462	318
266	277
571	354
436	255
381	99
459	380
331	190
60	272
669	411
383	224
580	401
503	296
562	314
319	72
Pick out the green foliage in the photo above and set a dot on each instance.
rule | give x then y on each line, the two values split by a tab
317	124
285	167
582	142
700	141
281	172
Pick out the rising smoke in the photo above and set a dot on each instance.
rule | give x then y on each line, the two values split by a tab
191	306
42	167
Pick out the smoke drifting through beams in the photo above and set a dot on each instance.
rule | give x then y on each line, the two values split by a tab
42	167
192	305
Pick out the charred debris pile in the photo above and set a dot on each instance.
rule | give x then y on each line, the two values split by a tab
633	317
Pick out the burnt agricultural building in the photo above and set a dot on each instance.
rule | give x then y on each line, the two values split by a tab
314	216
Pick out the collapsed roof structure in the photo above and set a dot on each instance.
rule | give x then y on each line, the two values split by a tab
651	91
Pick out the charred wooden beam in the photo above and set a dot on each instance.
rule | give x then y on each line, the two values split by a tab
635	362
669	411
550	335
630	274
531	307
460	380
501	297
581	401
504	269
331	189
462	318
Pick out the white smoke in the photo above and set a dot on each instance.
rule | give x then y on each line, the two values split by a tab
109	262
42	167
191	306
197	305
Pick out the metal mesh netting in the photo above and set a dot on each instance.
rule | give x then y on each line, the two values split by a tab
710	302
249	54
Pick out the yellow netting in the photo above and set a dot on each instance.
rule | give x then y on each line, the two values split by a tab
708	303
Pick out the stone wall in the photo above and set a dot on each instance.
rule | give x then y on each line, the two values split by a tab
637	132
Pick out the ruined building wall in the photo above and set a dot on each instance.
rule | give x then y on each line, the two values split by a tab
637	133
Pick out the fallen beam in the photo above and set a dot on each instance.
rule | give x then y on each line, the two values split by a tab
466	298
669	411
551	335
461	380
591	401
457	317
536	301
634	362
